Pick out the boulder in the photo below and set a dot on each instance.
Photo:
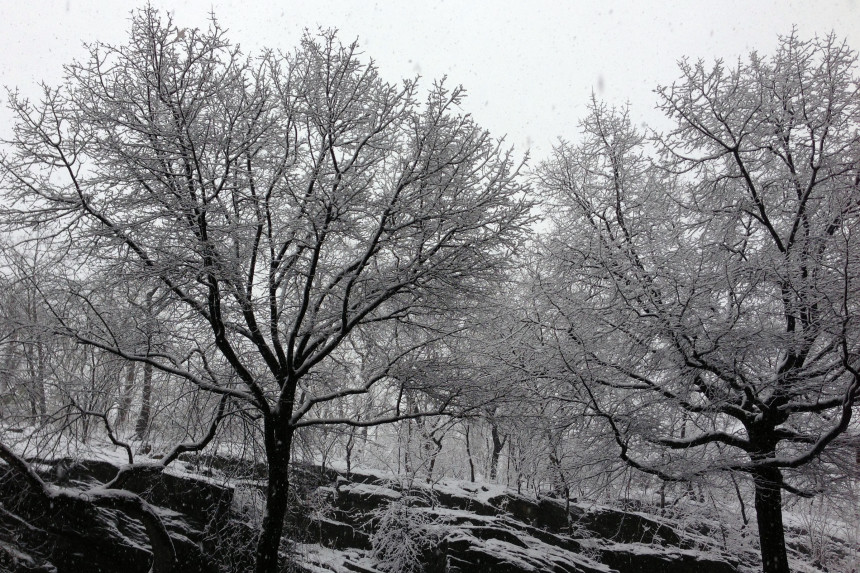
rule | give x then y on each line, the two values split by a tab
199	500
461	552
519	507
363	498
464	502
337	534
70	534
627	527
640	558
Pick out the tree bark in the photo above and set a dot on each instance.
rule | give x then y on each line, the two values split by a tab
498	444
407	458
350	442
771	532
141	428
39	383
435	448
125	400
469	455
279	437
8	370
34	353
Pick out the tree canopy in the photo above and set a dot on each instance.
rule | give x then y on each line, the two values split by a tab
263	247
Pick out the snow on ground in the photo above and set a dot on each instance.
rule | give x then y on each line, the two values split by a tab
371	490
482	492
24	560
318	559
386	484
31	443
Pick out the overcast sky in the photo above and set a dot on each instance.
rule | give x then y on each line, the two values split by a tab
529	67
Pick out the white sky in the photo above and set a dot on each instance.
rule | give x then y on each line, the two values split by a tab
529	67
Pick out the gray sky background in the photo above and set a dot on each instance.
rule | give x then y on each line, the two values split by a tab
529	67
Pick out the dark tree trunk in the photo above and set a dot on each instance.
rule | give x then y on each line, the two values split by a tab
34	354
350	443
435	447
743	505
498	444
8	370
141	428
40	380
561	487
469	455
407	458
36	367
279	437
771	532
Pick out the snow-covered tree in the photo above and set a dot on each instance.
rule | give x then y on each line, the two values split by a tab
705	297
283	204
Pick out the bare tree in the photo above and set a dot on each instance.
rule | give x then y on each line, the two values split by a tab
707	306
284	203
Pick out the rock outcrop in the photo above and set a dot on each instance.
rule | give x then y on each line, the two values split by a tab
474	528
72	535
338	525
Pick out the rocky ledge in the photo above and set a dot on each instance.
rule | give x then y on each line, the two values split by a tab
369	524
362	524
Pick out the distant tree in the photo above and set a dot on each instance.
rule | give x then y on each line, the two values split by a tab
706	305
284	204
26	350
79	383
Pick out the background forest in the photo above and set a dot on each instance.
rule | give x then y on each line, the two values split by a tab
286	258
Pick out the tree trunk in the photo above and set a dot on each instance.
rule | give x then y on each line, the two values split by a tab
407	459
350	445
560	487
39	383
740	501
7	374
498	444
435	448
125	399
141	428
768	506
279	437
350	442
35	385
469	456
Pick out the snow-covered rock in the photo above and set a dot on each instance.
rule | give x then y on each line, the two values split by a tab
464	527
340	525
